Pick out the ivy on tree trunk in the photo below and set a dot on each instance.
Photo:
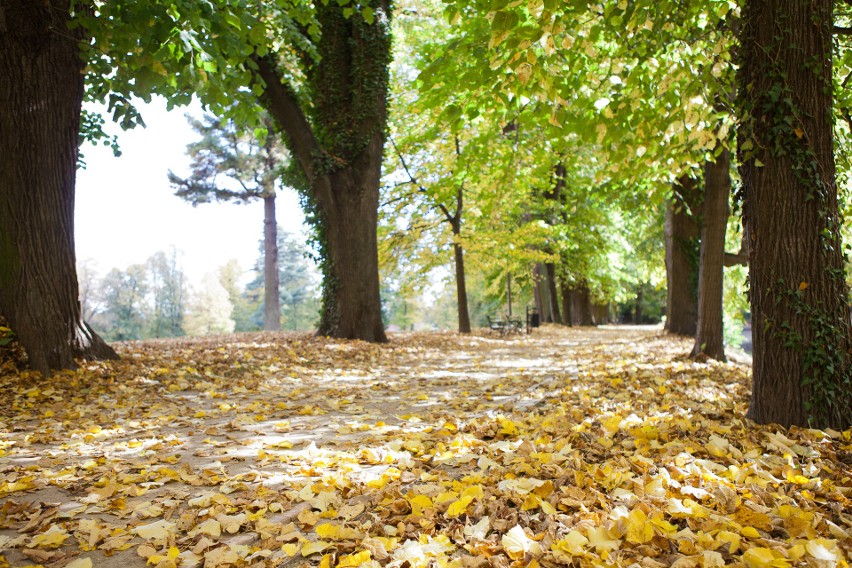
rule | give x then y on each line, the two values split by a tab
800	315
338	142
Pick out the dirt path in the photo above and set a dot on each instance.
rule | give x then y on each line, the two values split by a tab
231	451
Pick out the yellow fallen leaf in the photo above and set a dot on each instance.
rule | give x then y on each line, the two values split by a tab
80	563
419	503
517	544
459	506
309	548
639	530
759	557
51	538
351	560
290	549
157	531
571	545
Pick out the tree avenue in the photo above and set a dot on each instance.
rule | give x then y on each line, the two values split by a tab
576	154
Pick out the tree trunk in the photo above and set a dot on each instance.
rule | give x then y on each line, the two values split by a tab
461	289
717	189
41	97
637	312
542	299
338	142
509	294
800	316
567	315
550	272
682	231
352	304
581	306
271	295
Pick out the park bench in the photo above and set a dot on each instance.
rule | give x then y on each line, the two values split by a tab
505	325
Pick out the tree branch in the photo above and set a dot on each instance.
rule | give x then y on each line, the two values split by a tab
282	104
840	30
444	210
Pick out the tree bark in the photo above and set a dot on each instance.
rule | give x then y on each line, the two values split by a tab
717	189
41	97
552	293
800	316
567	315
581	305
542	293
461	288
682	231
339	150
271	295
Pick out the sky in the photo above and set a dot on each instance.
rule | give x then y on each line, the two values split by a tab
126	209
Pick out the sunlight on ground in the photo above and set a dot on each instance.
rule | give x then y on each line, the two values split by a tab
586	447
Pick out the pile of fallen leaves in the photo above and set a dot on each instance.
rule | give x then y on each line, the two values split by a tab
567	447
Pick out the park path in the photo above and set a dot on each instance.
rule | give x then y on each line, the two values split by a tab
232	450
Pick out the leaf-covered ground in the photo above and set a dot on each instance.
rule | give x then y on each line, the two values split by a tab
568	447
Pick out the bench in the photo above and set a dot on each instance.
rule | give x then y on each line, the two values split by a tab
505	325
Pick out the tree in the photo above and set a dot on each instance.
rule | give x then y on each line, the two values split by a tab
125	308
296	288
256	166
338	140
682	231
800	314
244	307
40	101
168	292
210	310
717	191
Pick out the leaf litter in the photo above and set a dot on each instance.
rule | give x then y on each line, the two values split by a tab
592	447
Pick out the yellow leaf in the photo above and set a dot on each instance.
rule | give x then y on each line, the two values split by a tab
80	563
460	506
572	544
51	538
517	544
823	549
750	532
759	557
290	549
356	559
419	503
313	547
639	530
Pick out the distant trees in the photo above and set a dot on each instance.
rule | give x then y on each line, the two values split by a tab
252	164
154	298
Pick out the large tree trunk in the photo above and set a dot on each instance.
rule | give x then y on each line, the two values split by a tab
552	293
461	289
682	231
41	94
581	306
352	305
271	295
338	142
717	189
800	316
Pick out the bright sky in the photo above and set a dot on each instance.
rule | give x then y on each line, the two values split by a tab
126	210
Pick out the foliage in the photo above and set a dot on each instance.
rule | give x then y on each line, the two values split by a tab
297	286
585	448
252	161
210	310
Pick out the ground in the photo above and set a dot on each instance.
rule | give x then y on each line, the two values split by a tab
568	446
